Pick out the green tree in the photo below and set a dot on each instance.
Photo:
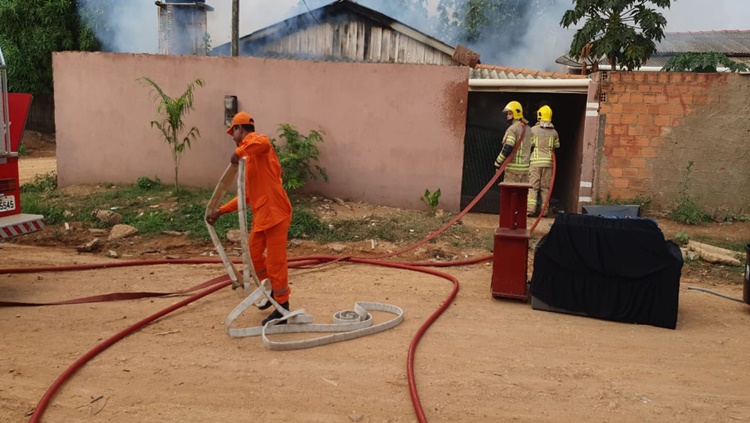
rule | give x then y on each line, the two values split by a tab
485	21
30	31
702	62
171	126
296	156
623	31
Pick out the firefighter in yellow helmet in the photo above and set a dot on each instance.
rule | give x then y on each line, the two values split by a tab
544	141
518	169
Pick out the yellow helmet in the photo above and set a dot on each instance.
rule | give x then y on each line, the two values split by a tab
516	108
544	113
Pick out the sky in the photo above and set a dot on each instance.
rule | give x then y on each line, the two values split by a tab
137	27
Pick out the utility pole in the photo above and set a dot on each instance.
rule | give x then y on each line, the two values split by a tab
235	27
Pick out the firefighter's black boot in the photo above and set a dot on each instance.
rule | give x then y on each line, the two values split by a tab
277	315
267	304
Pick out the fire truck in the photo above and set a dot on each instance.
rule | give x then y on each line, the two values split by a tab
14	108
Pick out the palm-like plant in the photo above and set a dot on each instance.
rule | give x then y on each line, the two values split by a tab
172	126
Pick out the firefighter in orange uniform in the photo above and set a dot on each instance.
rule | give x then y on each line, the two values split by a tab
272	210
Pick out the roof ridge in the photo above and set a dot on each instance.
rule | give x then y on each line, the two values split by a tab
531	72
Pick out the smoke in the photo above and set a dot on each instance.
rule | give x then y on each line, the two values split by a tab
123	27
132	26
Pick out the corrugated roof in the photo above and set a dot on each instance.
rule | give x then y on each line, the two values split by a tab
729	42
733	43
505	72
329	11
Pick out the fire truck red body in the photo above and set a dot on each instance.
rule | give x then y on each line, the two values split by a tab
14	109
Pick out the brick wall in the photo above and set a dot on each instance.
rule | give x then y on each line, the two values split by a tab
655	123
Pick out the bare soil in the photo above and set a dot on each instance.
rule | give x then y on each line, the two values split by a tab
484	359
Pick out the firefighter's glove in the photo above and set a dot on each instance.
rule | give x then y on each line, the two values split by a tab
499	161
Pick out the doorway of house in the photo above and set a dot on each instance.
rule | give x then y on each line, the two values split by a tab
485	126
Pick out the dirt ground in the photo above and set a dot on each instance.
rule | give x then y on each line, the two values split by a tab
483	360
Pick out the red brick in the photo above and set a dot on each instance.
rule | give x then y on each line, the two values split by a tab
625	98
621	183
614	119
663	77
662	120
672	90
652	109
642	141
636	98
615	172
649	98
619	152
630	108
636	186
620	129
644	88
618	161
635	130
638	162
648	152
645	119
634	151
676	77
608	130
651	131
701	99
660	99
638	76
629	119
614	76
629	173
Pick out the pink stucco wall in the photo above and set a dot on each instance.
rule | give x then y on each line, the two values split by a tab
391	130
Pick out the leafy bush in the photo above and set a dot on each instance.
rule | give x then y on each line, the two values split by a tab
702	62
42	183
297	155
431	200
688	211
146	183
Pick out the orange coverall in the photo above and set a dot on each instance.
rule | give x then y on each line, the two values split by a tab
272	212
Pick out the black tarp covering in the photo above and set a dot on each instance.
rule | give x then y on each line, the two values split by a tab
609	268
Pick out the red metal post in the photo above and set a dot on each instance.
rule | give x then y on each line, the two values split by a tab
509	267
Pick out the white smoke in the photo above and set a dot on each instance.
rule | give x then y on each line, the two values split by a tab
125	26
132	26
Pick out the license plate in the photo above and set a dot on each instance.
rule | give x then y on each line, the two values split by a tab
7	203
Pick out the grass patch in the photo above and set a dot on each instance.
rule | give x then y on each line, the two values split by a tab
153	208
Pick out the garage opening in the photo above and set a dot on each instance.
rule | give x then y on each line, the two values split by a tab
485	127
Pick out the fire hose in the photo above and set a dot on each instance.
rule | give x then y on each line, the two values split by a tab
221	282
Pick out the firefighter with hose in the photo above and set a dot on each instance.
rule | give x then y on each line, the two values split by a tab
518	169
544	141
272	210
